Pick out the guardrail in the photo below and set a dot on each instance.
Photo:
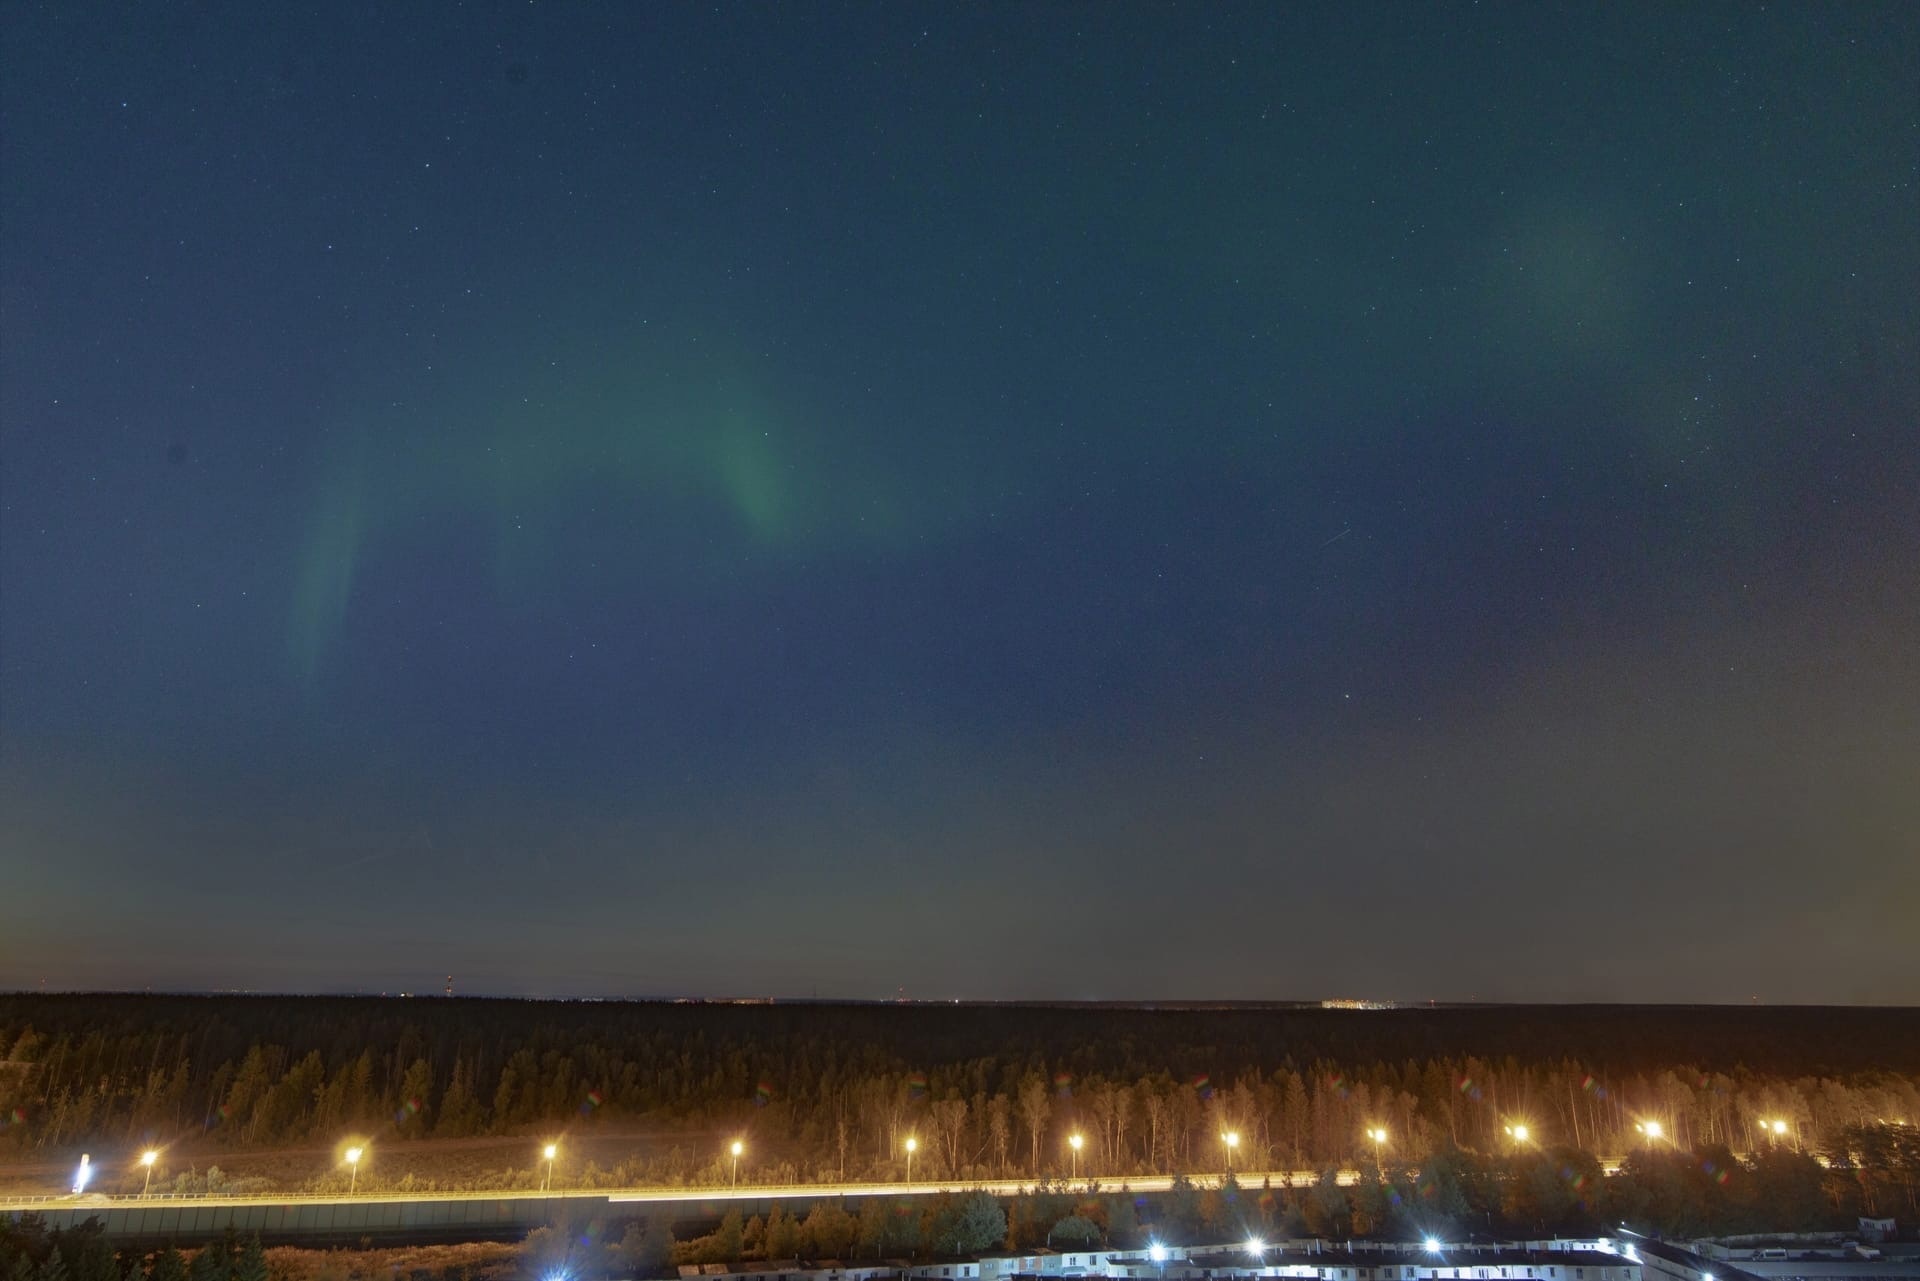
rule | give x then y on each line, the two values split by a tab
719	1191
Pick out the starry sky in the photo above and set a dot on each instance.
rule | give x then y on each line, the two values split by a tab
1069	500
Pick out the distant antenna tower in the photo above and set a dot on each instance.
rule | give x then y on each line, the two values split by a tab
449	985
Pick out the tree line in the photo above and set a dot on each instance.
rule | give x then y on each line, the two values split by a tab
830	1093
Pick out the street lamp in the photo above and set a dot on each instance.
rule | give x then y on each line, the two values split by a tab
1232	1139
147	1159
737	1148
1519	1134
550	1151
1652	1129
912	1143
353	1169
1074	1142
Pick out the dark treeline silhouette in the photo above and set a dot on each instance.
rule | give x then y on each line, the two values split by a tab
830	1092
29	1252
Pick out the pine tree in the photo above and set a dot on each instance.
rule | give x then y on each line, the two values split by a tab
251	1263
210	1263
93	1260
167	1266
53	1269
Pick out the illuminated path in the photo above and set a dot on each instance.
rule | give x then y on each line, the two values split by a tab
473	1216
476	1216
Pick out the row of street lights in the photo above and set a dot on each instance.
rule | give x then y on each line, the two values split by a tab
550	1152
1520	1134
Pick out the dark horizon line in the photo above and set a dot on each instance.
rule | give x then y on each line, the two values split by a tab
1121	1003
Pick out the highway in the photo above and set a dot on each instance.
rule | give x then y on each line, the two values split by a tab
642	1195
505	1214
707	1195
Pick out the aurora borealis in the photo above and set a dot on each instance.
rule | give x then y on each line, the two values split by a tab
1060	501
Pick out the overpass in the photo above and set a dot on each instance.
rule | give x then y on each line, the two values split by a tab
394	1218
389	1218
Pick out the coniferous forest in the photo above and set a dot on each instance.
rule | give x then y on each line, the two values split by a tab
1821	1101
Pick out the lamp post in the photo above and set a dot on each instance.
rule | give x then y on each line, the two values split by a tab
1520	1135
353	1169
1074	1142
1378	1133
737	1148
912	1143
147	1159
1652	1129
1232	1139
550	1151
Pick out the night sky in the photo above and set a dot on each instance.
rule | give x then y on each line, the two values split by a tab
1415	501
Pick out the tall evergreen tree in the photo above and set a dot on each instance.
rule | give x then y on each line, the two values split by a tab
167	1265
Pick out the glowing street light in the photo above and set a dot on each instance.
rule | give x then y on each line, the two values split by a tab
1652	1129
1157	1252
1432	1244
353	1169
737	1148
147	1159
1232	1139
912	1145
1256	1247
1520	1134
549	1152
1074	1142
81	1175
